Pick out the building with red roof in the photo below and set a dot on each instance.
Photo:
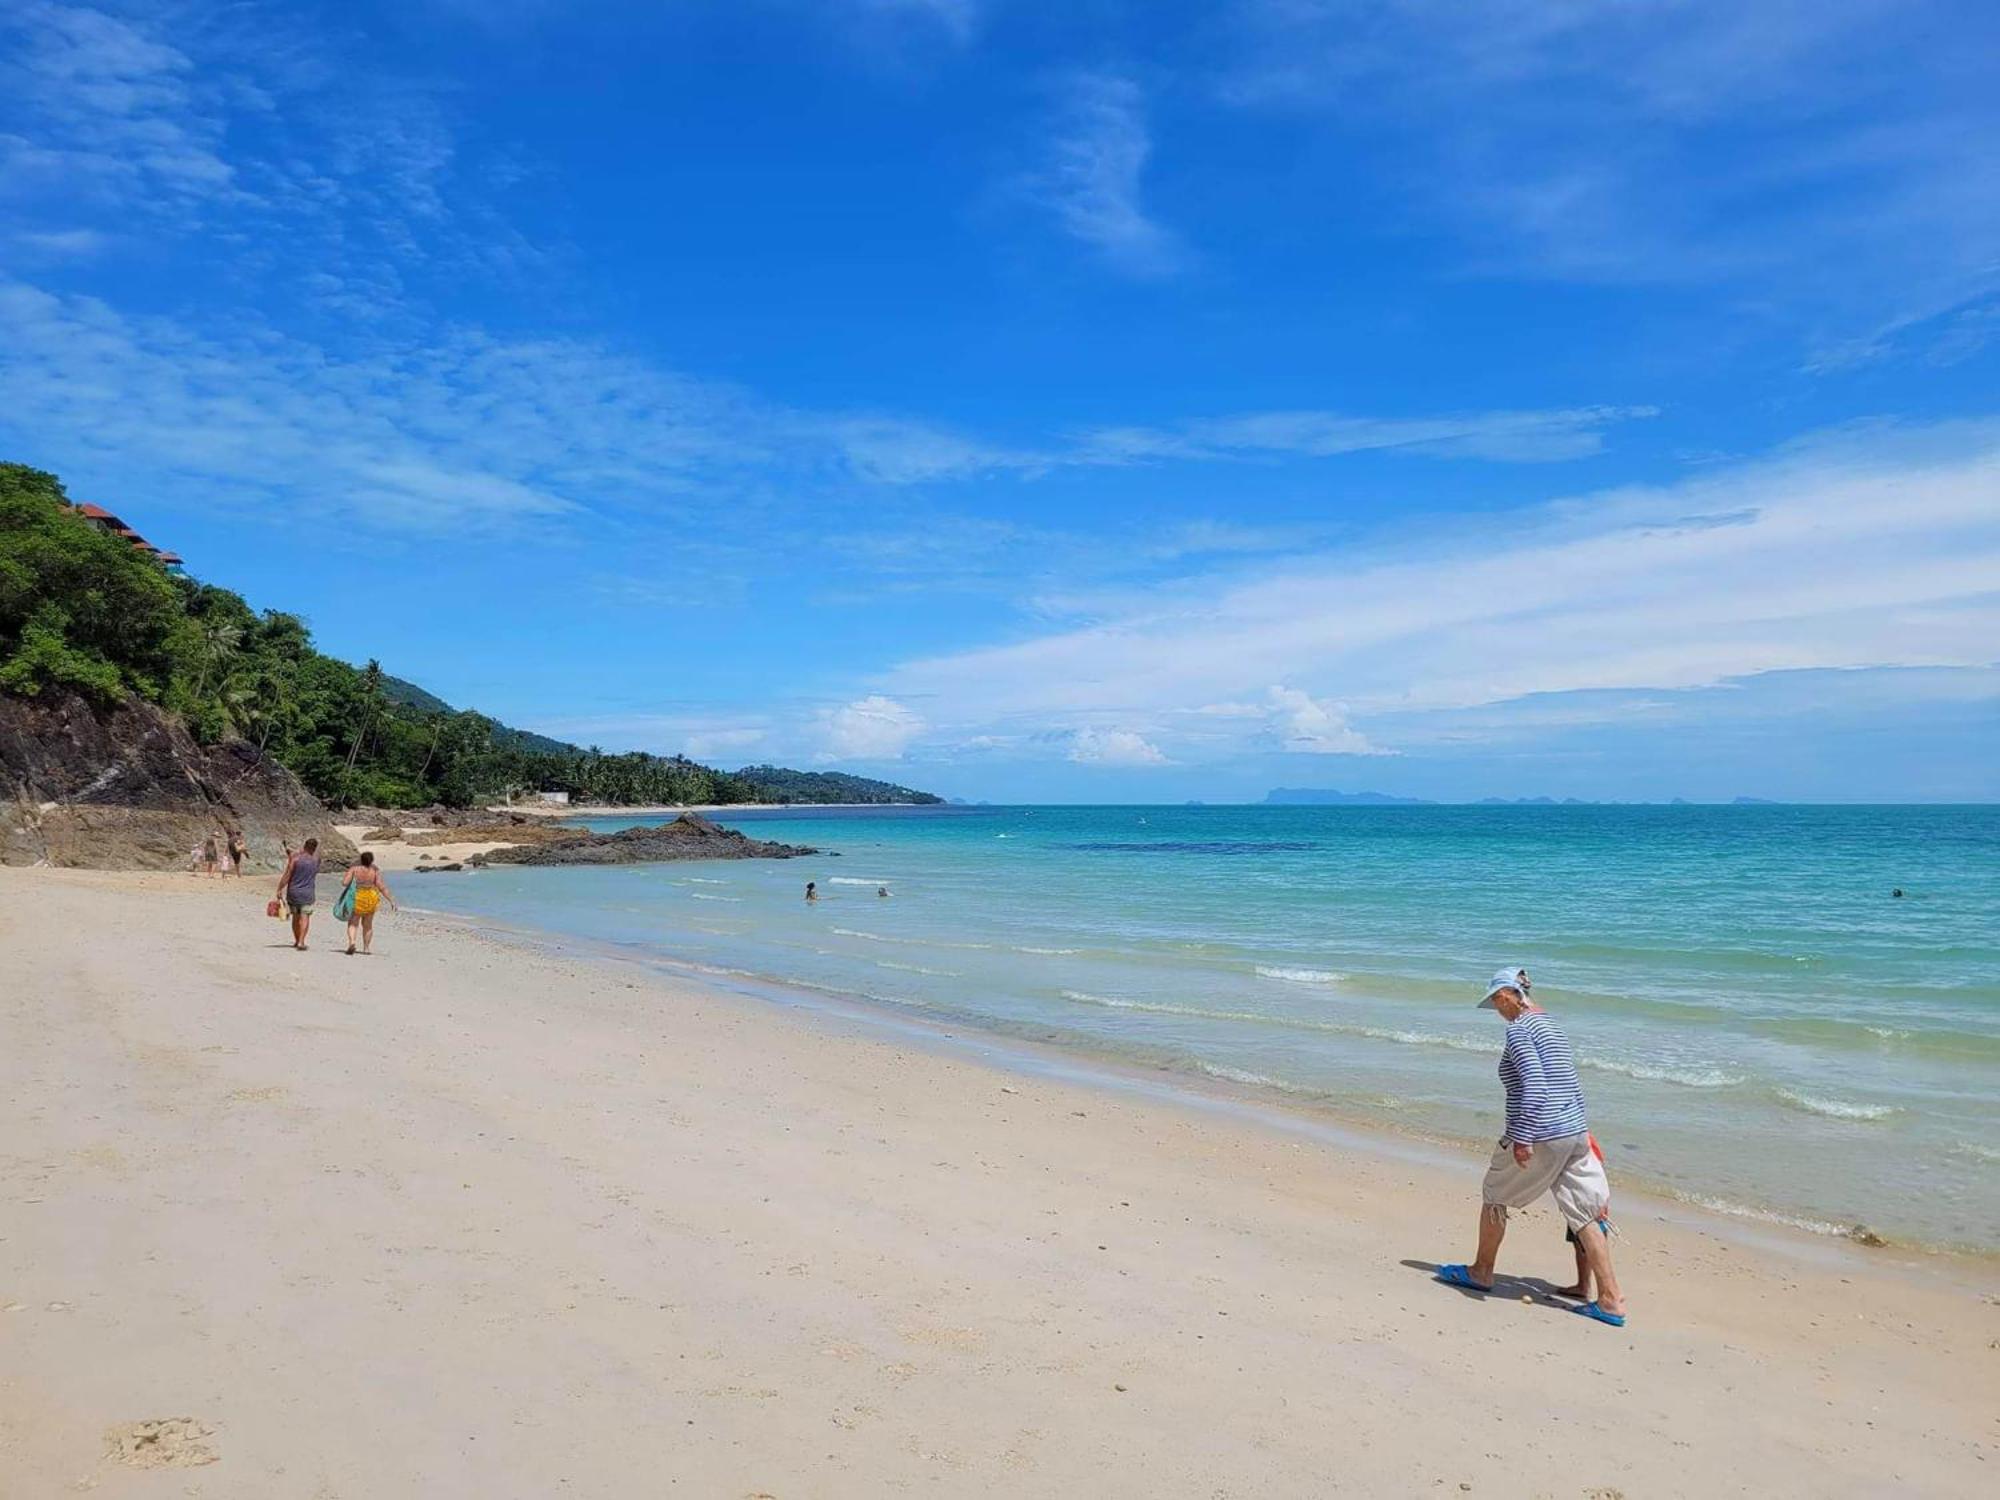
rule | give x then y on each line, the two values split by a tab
104	520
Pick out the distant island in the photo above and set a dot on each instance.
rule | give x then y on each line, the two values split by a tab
1309	796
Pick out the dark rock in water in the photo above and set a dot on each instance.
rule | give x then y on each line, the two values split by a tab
1861	1234
128	788
690	836
439	869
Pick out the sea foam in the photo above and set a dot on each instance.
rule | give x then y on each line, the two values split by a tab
1835	1109
1299	976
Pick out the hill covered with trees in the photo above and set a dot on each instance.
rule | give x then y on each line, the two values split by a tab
82	609
776	784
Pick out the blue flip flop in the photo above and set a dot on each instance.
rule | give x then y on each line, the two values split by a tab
1461	1276
1592	1310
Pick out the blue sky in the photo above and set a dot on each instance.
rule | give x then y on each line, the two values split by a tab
1107	401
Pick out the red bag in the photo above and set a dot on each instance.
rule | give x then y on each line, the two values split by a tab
273	909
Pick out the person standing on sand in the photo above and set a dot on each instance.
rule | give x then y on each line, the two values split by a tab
209	855
365	881
239	852
1546	1150
298	888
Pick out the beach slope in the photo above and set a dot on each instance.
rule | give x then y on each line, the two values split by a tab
474	1217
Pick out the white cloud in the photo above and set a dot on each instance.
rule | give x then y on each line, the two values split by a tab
1114	747
1310	726
871	728
1091	181
1877	547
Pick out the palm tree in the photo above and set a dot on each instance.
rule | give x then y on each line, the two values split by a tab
217	642
371	696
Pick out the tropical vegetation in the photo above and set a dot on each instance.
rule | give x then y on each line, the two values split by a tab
778	784
83	610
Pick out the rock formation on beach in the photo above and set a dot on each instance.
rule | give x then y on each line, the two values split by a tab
488	828
690	836
129	788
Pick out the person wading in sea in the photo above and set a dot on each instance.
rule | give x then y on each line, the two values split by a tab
298	888
1546	1150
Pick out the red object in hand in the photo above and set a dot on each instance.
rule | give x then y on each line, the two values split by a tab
272	909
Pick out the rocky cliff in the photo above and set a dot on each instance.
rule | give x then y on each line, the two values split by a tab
128	788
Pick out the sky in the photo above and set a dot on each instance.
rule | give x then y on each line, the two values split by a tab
1090	402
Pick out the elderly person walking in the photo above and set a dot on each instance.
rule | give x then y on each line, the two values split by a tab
1546	1149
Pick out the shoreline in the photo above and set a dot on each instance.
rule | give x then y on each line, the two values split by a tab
399	855
660	809
1191	1084
1710	1203
492	1213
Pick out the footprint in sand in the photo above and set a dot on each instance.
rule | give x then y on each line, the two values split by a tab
168	1443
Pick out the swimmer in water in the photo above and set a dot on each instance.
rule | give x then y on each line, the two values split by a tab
881	890
812	890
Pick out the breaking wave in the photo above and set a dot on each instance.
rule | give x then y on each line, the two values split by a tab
1835	1109
1299	976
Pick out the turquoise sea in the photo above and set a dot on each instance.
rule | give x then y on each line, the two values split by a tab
1764	1028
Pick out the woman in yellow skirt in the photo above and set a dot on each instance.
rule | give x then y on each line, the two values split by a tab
365	890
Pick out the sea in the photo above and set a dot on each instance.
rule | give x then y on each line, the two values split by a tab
1764	1026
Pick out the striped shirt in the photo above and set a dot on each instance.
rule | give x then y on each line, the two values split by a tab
1544	1096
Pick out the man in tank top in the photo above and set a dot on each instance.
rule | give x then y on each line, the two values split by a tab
298	888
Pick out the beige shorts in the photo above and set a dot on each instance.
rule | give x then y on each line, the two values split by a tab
1566	1168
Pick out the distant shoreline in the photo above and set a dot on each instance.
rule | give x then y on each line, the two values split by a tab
661	809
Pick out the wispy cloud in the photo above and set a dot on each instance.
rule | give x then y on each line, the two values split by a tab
61	244
454	426
117	114
462	429
244	130
713	737
1683	142
1091	180
1503	436
1861	548
956	19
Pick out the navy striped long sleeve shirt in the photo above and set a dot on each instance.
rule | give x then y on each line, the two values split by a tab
1538	1070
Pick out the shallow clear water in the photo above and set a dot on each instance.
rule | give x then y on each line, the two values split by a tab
1761	1024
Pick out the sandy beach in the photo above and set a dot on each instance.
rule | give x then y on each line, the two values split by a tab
477	1216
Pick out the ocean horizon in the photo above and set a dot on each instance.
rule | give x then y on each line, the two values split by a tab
1764	1028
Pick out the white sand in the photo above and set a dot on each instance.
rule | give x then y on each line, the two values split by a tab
472	1219
393	855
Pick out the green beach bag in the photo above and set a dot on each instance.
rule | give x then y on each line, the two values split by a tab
343	906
